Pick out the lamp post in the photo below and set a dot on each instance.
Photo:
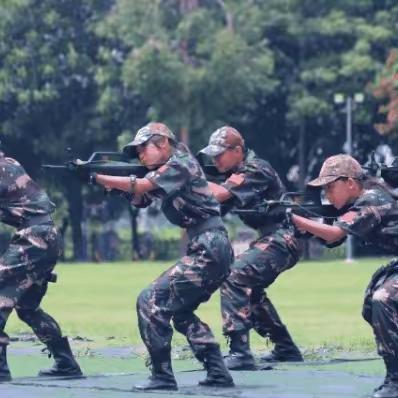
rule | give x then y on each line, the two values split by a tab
349	102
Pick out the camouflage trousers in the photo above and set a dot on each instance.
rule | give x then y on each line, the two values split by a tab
24	270
244	303
381	309
177	293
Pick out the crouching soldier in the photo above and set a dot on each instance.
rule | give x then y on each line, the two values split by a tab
244	303
178	180
366	215
26	266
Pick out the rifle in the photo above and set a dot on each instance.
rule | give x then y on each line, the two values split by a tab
109	163
388	173
306	204
113	163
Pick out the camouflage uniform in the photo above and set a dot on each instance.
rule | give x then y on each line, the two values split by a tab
371	224
177	293
244	303
26	265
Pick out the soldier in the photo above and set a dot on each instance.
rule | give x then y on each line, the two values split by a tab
244	304
177	179
26	266
366	209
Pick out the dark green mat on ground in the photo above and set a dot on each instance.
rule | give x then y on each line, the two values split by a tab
295	382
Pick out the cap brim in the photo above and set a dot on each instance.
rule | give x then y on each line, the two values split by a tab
131	147
213	150
322	181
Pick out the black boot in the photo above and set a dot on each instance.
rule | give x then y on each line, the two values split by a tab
65	364
162	377
5	374
285	350
217	373
240	356
389	389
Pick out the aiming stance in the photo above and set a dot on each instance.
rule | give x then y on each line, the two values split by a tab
345	185
179	182
25	267
244	304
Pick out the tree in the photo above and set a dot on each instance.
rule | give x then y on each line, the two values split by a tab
48	93
187	63
319	49
385	89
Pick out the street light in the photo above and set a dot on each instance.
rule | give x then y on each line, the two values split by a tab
349	102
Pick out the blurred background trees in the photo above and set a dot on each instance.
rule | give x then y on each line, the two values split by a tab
86	74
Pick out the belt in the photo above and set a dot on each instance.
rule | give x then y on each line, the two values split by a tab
37	220
210	223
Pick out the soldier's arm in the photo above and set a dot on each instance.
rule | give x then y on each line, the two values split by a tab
141	185
220	193
224	192
329	233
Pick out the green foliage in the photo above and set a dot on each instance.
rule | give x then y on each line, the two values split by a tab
89	73
101	67
191	69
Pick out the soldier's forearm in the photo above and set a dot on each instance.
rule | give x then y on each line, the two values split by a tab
219	192
114	182
140	186
329	233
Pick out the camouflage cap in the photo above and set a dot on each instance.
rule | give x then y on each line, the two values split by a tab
335	167
145	133
223	138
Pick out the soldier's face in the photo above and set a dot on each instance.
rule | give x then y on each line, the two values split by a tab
228	159
150	155
340	192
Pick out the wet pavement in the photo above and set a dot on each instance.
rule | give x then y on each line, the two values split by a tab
283	383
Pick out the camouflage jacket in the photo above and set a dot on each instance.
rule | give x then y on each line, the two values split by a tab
260	182
20	197
372	222
183	189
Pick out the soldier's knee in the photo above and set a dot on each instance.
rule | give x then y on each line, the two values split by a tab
25	315
181	324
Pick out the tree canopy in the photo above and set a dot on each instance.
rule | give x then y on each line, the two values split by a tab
88	73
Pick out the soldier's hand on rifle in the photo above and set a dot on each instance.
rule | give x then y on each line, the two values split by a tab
296	222
103	180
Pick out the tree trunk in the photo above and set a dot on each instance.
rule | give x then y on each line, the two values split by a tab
135	243
303	175
75	200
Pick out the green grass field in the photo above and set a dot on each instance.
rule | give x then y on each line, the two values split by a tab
320	302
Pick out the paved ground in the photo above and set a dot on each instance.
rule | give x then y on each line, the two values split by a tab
345	378
300	383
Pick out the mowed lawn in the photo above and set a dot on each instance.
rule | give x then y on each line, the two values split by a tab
320	302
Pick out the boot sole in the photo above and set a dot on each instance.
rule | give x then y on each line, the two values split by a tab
62	377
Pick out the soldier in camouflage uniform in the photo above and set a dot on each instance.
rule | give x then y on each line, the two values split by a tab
244	303
178	180
366	215
26	266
